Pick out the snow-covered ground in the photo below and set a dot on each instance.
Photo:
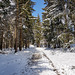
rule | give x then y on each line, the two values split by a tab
21	63
64	62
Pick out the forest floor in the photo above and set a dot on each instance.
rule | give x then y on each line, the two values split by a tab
50	62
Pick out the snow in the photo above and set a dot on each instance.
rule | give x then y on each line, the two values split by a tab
45	12
62	61
47	19
72	45
63	20
12	2
52	6
21	63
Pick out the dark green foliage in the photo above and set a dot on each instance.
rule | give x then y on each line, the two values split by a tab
4	3
55	12
38	31
14	30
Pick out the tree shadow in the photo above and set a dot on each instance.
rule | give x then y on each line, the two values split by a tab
34	67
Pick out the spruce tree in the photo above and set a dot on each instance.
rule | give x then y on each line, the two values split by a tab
59	14
3	12
25	13
38	31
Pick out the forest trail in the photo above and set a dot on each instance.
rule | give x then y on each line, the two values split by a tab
49	62
47	24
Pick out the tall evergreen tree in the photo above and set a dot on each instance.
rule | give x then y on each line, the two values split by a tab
3	12
21	15
58	13
38	31
25	9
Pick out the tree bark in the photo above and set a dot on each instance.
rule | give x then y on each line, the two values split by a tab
48	45
1	41
17	13
26	44
20	40
38	44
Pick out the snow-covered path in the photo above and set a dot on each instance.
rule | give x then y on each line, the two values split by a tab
64	62
14	64
20	63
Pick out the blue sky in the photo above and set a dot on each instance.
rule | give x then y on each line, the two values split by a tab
38	7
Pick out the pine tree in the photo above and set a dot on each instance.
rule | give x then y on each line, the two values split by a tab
27	10
19	18
3	12
38	31
58	14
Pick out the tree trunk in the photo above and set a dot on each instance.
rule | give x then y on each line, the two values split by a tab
48	45
6	44
12	42
26	44
1	41
15	47
20	40
38	44
59	44
17	13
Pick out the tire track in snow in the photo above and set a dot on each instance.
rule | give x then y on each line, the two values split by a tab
51	63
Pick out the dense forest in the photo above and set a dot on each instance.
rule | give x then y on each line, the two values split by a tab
16	23
19	28
31	46
59	23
